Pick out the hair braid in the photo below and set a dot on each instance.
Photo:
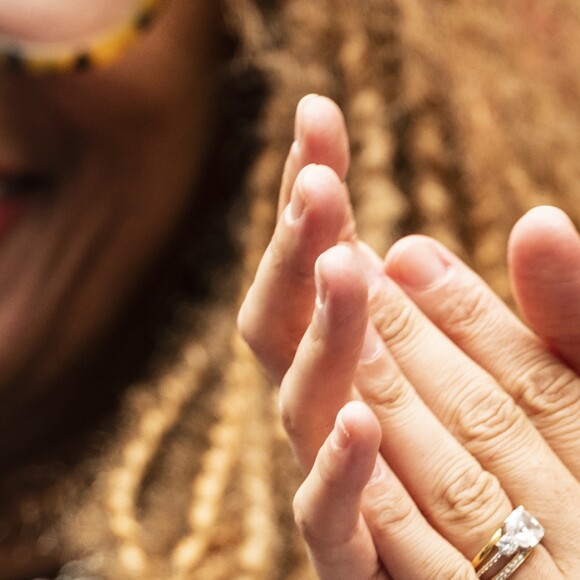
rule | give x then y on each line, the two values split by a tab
260	544
217	464
156	419
371	91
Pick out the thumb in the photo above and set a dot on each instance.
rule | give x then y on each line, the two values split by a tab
544	262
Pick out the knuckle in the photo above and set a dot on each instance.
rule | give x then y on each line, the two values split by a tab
487	415
391	394
467	493
244	320
397	323
547	388
302	520
303	425
315	534
251	325
273	345
391	514
464	311
287	417
298	508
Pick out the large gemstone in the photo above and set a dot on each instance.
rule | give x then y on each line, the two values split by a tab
520	530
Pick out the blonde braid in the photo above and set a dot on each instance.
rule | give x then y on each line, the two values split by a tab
217	464
156	419
434	187
257	552
242	380
370	36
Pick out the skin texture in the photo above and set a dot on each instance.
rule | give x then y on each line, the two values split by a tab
544	254
107	138
465	412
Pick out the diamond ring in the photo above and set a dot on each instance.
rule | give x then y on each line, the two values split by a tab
509	546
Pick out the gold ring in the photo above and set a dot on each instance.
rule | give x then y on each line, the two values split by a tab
509	546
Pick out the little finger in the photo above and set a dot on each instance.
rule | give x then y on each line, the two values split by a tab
327	507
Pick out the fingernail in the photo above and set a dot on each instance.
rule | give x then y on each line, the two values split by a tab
340	436
320	287
297	203
418	264
372	345
298	132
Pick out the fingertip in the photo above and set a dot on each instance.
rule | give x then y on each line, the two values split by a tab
543	234
544	260
337	269
352	448
315	178
361	425
418	262
321	131
338	258
318	191
543	249
545	216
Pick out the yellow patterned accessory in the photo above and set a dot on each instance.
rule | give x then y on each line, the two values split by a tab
55	36
509	546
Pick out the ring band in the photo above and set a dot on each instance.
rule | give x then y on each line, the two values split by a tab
514	541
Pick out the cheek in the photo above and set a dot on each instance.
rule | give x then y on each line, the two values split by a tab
142	127
139	132
160	91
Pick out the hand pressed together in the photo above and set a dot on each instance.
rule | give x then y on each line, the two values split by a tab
421	409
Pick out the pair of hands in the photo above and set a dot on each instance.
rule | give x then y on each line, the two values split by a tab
421	408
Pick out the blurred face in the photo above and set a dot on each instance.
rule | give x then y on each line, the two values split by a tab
95	170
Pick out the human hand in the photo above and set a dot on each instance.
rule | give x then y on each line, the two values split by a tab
434	501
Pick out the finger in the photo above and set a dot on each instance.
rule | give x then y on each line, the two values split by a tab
320	138
278	307
481	415
319	382
407	545
544	257
319	216
461	500
461	305
327	507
